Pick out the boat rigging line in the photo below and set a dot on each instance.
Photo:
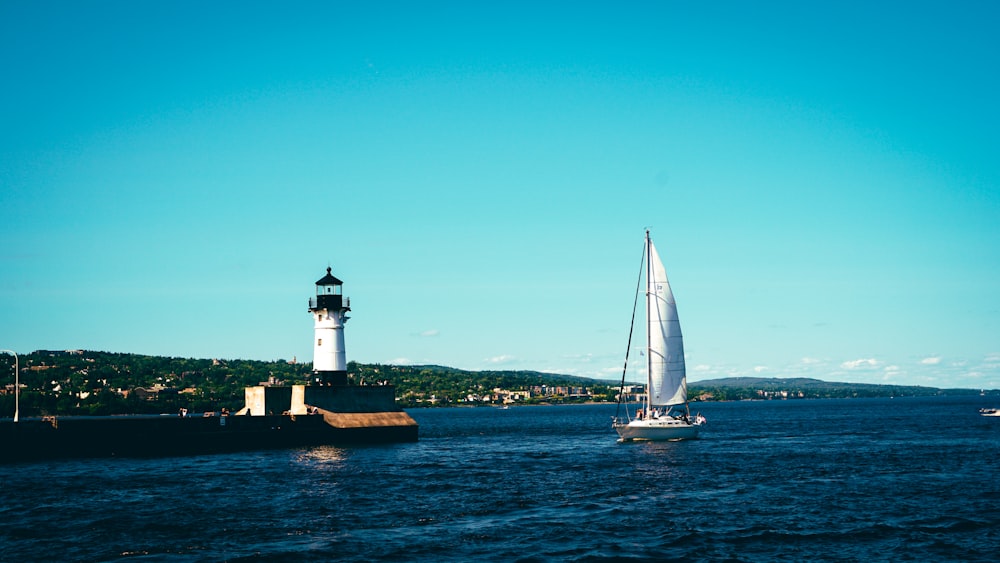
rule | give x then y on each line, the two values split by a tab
635	307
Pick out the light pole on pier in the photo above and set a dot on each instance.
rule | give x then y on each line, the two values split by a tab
17	384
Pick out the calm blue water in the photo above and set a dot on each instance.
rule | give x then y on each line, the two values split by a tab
840	480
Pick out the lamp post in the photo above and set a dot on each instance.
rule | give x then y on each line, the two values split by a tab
17	384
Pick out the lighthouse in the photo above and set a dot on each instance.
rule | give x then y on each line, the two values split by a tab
329	310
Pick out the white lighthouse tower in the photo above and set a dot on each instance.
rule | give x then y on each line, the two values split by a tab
329	309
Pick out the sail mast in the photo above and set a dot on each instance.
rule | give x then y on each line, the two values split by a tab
649	332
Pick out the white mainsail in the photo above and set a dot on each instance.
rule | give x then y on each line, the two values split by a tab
666	371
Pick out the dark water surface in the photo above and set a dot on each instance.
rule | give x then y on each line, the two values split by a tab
836	480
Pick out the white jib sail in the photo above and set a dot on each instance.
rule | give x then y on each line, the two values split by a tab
667	375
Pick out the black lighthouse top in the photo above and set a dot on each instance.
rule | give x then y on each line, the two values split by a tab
327	281
329	293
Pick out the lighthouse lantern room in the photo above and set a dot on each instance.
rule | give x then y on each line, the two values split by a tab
329	310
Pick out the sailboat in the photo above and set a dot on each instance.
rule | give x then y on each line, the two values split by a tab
666	379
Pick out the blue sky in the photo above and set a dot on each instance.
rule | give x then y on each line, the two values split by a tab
820	178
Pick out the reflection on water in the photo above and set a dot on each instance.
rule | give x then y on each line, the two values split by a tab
322	455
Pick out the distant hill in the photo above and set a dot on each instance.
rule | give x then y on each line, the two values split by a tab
804	387
547	377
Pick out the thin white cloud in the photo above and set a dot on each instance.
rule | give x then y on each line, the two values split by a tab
890	373
932	361
430	333
864	363
759	369
501	359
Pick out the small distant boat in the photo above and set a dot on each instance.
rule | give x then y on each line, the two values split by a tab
666	378
989	412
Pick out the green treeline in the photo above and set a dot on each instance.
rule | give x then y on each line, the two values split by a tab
103	383
83	382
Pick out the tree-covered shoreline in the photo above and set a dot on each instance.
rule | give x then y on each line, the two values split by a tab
81	382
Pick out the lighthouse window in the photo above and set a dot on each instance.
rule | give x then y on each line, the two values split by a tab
319	341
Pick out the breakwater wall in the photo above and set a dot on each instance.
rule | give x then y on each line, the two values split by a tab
277	417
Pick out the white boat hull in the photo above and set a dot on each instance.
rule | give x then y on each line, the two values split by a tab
657	430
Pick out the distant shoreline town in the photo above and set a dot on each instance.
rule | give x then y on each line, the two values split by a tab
81	382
